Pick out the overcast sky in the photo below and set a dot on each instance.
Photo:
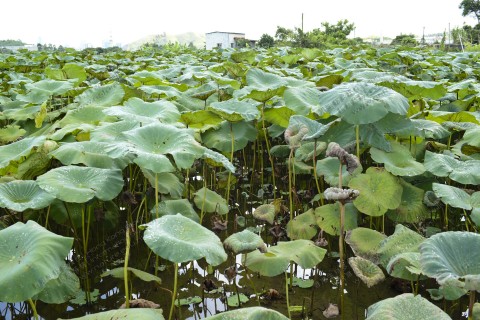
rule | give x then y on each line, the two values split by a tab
79	22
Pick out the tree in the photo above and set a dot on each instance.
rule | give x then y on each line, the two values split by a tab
284	36
339	31
470	7
404	40
266	41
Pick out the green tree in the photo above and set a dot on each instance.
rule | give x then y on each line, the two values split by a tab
404	40
284	36
11	43
266	41
470	7
339	31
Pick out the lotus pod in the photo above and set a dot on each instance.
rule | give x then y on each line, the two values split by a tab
366	270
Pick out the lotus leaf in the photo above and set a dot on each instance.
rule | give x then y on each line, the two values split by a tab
411	209
401	241
328	168
221	138
14	151
61	289
124	314
202	120
264	81
303	226
398	161
365	243
366	270
50	87
251	313
405	265
179	239
306	150
328	218
11	133
302	100
172	207
244	242
210	201
278	116
233	300
142	275
30	257
218	159
447	292
103	96
233	111
276	260
168	183
413	89
265	212
112	132
456	197
81	184
145	112
452	258
379	191
20	195
405	307
85	115
446	166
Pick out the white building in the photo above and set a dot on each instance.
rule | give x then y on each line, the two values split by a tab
223	40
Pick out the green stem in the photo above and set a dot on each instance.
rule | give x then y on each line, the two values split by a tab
174	294
340	245
287	296
470	304
290	196
125	268
34	309
230	173
250	280
268	151
357	140
315	171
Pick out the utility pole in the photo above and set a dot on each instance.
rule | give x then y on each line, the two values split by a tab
302	22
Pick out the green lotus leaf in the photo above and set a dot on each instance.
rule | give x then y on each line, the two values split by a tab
244	242
153	142
36	164
278	116
168	183
32	256
456	197
210	201
365	243
401	241
303	226
50	87
362	103
14	151
251	313
221	138
179	239
124	314
21	114
234	110
263	81
313	129
452	258
103	96
428	129
405	306
447	292
282	151
86	115
172	207
276	260
218	159
11	133
92	154
112	132
74	128
405	265
20	195
328	168
303	100
302	283
367	271
379	191
265	212
61	289
411	209
233	300
306	151
443	165
188	301
413	89
81	184
399	161
475	216
142	275
145	112
202	120
328	218
162	91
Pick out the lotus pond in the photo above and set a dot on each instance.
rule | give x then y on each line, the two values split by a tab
262	184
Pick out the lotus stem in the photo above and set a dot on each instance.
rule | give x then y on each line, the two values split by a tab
315	170
202	212
470	304
125	267
174	294
236	289
290	196
250	280
84	242
157	215
229	172
267	144
34	309
357	140
340	244
287	296
46	219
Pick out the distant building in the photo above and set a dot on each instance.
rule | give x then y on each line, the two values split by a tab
223	40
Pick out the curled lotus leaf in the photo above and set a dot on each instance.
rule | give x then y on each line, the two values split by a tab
20	195
405	265
265	212
210	201
402	240
398	160
61	289
174	206
365	243
119	273
366	270
244	241
145	112
412	208
14	151
303	226
179	239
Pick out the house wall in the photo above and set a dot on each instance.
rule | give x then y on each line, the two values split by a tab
221	39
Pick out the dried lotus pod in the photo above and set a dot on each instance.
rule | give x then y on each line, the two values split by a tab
342	195
294	134
351	161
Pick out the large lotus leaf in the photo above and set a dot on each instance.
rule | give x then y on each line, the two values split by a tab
306	150
413	89
401	241
234	110
447	292
74	128
20	195
366	270
328	218
265	212
146	112
210	201
312	129
442	165
405	307
264	81
81	184
167	183
329	167
172	207
251	313
30	256
124	314
221	138
244	242
218	159
456	197
303	226
152	143
451	257
399	161
365	243
86	115
405	265
411	209
179	239
119	273
20	114
278	116
303	100
202	120
103	96
14	151
92	154
362	103
379	191
426	129
108	132
11	133
276	260
373	135
61	289
50	87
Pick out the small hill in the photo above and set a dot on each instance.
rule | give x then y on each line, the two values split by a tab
197	39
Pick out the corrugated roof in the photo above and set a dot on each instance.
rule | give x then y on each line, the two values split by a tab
225	32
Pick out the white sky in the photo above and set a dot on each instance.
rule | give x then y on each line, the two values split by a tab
79	22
